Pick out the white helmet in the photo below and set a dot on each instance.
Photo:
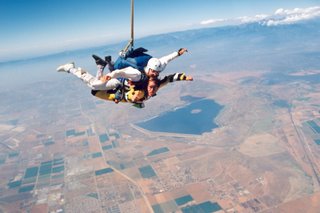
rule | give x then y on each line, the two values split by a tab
154	64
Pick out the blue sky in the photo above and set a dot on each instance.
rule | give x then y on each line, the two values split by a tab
39	27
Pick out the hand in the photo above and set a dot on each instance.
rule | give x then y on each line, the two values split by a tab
105	78
181	51
130	83
189	78
137	95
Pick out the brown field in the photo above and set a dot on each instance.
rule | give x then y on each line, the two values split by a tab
262	158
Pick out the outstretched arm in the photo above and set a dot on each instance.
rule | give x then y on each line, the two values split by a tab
175	77
166	59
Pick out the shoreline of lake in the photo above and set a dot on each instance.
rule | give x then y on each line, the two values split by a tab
194	118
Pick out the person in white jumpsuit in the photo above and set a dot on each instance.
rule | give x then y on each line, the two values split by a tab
110	81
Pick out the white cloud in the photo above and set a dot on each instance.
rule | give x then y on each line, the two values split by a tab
211	21
280	16
249	19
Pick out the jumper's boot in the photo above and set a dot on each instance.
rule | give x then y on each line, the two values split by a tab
108	59
109	62
66	67
99	61
70	68
100	64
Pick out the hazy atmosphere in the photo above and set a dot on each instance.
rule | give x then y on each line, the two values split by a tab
243	136
32	28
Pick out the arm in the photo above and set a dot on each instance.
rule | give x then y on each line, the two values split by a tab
166	59
174	77
128	72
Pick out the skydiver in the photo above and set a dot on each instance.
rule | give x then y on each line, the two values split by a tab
132	94
138	59
138	96
136	65
153	68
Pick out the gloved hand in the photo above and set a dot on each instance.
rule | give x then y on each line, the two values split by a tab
182	51
189	78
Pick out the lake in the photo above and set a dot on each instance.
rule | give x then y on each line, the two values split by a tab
195	118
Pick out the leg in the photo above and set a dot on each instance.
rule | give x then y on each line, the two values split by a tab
99	71
109	62
101	64
89	79
103	95
96	84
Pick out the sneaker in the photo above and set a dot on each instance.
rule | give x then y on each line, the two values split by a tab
66	67
110	63
99	61
108	59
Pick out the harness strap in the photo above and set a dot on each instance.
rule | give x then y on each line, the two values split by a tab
131	41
